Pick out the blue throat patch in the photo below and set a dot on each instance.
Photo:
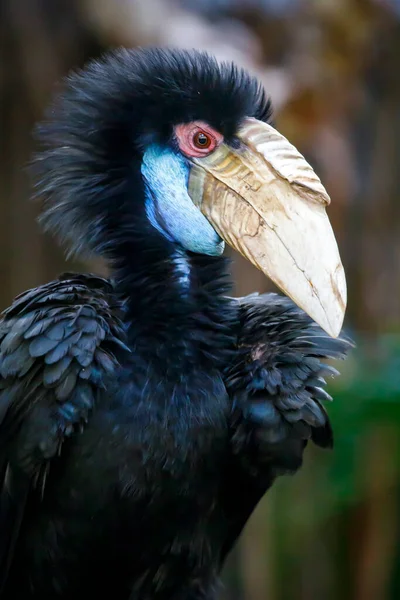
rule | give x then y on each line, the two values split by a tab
169	207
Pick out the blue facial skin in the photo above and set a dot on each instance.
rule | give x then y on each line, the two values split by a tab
168	204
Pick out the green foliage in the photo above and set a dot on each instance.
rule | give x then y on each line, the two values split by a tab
367	394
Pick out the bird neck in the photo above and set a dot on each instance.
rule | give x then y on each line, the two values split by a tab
177	305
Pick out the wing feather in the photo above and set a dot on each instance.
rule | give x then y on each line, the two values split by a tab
276	383
279	373
58	345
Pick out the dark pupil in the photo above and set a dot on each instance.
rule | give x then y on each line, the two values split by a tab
202	139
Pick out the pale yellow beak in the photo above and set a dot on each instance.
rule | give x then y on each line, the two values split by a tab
266	201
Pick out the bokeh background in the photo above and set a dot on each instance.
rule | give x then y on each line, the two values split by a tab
332	69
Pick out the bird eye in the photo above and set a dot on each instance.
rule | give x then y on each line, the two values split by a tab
201	140
197	139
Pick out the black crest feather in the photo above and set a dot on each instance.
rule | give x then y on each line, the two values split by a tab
88	171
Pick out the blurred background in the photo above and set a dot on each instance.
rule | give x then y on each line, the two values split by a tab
332	69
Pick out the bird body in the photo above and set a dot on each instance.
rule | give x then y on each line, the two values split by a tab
132	478
143	417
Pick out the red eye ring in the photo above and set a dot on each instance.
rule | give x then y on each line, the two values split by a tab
197	138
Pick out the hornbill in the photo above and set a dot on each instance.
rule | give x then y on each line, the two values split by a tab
144	416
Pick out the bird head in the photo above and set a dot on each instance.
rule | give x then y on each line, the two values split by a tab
161	149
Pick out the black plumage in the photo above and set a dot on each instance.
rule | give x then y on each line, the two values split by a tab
141	423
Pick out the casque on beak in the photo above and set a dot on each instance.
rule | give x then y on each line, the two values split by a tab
266	201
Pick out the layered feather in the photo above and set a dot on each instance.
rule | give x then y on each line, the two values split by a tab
278	377
59	344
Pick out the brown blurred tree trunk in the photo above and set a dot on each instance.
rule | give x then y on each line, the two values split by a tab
40	41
